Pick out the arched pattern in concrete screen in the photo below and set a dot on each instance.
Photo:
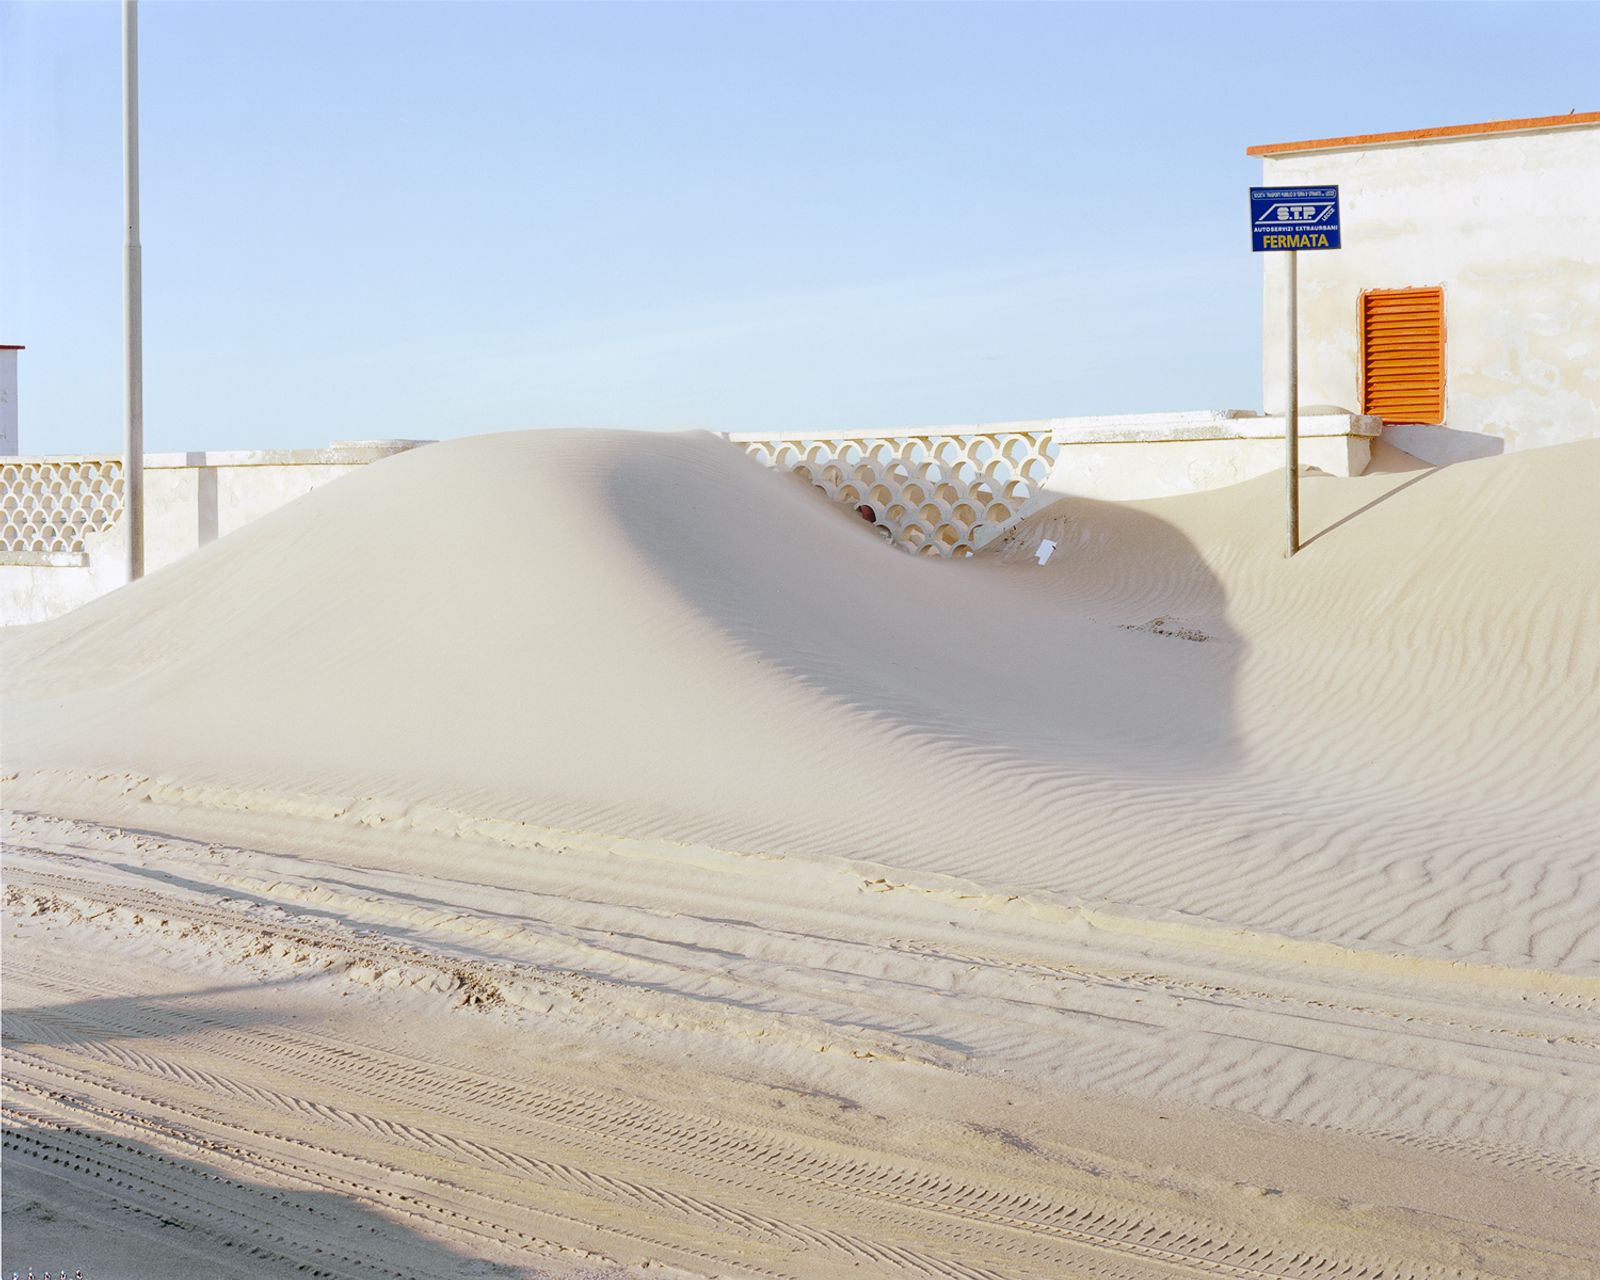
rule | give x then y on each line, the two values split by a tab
942	494
50	506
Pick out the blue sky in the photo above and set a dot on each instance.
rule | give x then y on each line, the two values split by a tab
372	219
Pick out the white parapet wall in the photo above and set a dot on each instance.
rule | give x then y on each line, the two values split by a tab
947	491
1154	455
62	538
941	491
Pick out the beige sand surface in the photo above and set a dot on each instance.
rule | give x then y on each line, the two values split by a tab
566	852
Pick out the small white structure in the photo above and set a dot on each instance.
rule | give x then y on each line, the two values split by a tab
8	401
1464	307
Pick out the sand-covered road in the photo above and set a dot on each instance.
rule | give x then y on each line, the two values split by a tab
223	1056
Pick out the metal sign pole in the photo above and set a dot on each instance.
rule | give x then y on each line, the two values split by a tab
132	299
1286	220
1291	415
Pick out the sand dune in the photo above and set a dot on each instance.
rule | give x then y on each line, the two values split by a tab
627	744
646	635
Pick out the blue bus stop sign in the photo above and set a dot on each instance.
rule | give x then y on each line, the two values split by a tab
1294	218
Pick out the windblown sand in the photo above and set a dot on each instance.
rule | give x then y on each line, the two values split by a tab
591	853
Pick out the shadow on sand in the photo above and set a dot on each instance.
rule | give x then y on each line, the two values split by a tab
1387	460
113	1191
1039	663
83	1197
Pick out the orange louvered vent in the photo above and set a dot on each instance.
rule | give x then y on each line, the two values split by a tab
1402	354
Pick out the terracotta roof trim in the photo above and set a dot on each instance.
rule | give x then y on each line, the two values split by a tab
1429	135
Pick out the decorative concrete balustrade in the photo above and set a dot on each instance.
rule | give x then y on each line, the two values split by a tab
949	491
49	506
940	492
62	538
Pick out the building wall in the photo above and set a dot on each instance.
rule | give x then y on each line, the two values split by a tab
1509	224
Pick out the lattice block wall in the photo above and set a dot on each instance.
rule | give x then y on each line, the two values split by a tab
931	494
51	506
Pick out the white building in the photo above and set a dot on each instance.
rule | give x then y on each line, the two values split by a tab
8	400
1464	307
